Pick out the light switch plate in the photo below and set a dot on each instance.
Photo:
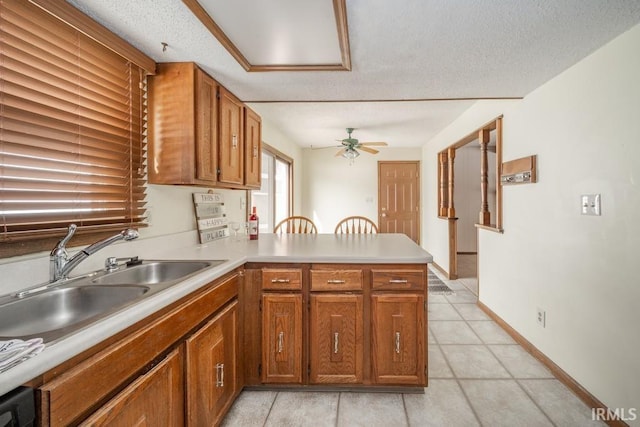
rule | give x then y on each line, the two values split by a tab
590	204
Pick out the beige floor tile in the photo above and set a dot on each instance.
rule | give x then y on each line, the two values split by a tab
297	409
559	403
503	403
519	362
471	312
443	312
490	332
437	364
455	285
462	296
453	332
473	361
371	410
437	299
251	408
471	283
443	404
430	338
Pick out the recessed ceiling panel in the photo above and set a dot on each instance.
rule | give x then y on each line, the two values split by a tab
277	33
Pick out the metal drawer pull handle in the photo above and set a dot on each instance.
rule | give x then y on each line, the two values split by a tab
336	281
280	280
280	341
220	375
335	343
255	151
234	140
398	281
398	342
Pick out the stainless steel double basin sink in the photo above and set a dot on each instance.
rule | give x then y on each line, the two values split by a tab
55	310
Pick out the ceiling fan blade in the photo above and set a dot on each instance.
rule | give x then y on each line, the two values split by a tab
374	144
340	152
368	150
328	146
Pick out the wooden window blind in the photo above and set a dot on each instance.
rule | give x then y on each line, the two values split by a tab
72	129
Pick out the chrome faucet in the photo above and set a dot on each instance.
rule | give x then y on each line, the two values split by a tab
60	265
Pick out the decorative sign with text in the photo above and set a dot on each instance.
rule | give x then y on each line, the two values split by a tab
211	216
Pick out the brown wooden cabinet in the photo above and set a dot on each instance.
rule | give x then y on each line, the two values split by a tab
231	142
134	367
336	339
154	399
398	343
356	325
211	368
282	338
183	126
199	132
252	148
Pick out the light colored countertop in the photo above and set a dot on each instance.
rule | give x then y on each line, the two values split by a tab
269	248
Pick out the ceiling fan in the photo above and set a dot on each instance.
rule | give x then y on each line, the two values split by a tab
350	146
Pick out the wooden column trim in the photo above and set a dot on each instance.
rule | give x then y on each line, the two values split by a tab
451	155
484	217
443	189
498	173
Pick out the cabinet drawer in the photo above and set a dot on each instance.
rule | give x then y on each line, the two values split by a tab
281	278
398	280
336	280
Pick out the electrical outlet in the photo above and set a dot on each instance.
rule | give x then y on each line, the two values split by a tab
541	317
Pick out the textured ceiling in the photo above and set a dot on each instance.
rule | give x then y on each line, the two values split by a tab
400	50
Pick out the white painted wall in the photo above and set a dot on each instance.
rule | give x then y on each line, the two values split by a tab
584	126
334	189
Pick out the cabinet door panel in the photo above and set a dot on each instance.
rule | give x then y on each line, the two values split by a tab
282	338
206	127
231	141
252	149
211	368
398	341
154	399
336	339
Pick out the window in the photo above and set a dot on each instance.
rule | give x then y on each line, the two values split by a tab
71	125
273	200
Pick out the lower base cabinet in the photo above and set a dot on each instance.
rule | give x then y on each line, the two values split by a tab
398	325
211	369
336	339
177	367
282	338
154	399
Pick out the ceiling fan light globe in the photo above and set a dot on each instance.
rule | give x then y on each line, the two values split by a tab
350	154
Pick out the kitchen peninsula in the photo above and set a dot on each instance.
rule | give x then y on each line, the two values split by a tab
290	310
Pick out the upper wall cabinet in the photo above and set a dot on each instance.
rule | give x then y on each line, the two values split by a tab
197	131
183	126
253	148
231	139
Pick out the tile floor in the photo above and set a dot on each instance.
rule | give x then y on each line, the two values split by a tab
478	376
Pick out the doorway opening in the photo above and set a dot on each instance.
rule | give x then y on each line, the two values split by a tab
470	197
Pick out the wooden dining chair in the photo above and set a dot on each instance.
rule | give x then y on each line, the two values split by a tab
295	225
356	225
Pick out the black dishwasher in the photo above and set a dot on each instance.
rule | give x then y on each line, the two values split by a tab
18	408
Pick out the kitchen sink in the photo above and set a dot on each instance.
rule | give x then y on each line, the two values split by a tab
154	272
54	310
